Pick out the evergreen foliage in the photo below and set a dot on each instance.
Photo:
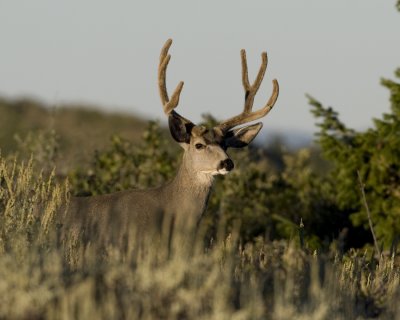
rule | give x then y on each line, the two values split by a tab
375	153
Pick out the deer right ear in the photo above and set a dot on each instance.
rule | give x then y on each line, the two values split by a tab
180	128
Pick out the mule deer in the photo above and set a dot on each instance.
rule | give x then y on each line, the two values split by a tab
183	199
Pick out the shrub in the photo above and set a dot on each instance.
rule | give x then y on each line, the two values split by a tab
375	153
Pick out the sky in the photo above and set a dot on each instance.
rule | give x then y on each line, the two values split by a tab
106	53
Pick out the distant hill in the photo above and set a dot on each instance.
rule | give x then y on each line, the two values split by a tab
80	129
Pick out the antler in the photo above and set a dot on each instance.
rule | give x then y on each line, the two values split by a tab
168	105
247	114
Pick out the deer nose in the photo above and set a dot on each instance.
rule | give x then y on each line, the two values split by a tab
226	164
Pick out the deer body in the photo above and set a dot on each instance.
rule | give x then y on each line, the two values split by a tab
144	208
182	201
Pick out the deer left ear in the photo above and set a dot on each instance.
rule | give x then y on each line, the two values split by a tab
241	137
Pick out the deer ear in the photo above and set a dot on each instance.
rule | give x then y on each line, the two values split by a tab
241	137
180	128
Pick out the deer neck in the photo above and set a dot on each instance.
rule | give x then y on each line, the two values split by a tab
189	191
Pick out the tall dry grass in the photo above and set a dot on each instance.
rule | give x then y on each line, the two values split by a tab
43	277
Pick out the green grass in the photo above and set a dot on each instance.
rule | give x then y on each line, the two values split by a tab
42	277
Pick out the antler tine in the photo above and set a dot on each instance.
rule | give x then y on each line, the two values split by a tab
247	114
168	105
245	73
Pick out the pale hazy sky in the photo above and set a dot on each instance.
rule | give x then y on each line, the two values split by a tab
106	53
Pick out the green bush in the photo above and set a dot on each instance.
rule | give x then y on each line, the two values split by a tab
375	154
125	165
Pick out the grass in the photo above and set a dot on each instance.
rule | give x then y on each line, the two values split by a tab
42	277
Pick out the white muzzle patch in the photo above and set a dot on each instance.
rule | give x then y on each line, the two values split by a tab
222	171
216	172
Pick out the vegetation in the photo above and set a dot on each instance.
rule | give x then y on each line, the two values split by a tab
226	279
375	154
259	257
27	125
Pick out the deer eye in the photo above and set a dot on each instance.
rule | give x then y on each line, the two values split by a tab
199	146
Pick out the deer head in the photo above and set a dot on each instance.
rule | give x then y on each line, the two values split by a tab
205	148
